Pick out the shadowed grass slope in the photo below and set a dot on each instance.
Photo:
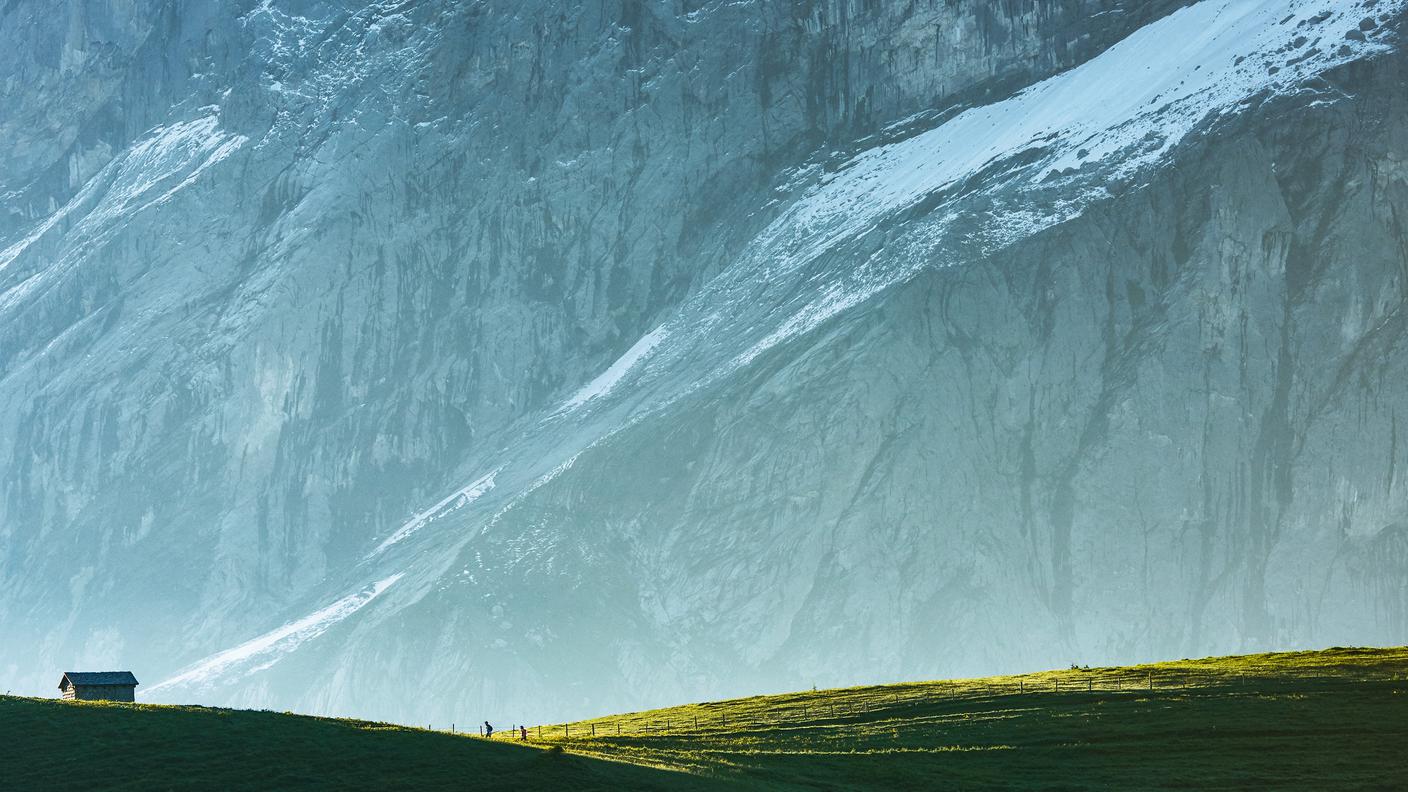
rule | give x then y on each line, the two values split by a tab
1311	720
61	745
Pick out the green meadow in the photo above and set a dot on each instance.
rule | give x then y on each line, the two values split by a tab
1332	719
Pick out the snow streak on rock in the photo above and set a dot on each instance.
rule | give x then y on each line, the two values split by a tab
1107	120
618	370
456	500
259	653
168	160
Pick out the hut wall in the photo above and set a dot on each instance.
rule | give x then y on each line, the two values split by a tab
103	693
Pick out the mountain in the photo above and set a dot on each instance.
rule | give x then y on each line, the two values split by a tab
419	359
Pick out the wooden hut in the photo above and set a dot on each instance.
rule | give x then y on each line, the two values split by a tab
99	685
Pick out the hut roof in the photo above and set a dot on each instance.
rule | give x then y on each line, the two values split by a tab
98	678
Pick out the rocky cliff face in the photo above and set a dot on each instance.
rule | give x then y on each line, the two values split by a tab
579	358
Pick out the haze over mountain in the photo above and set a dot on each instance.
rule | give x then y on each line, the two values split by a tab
426	359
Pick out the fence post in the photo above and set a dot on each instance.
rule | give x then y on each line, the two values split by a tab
618	728
667	725
1021	686
1089	684
696	723
1151	680
593	729
481	731
540	732
566	730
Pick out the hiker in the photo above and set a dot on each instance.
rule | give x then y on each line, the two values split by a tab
522	732
488	731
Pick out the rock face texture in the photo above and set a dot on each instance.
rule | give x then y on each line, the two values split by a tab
574	358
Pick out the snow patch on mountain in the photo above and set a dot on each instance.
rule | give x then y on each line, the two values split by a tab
180	152
608	379
259	653
456	500
1132	103
1106	120
168	160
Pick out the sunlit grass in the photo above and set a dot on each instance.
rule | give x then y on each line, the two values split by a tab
1287	717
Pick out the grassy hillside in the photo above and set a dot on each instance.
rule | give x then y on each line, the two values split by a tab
58	745
1310	720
